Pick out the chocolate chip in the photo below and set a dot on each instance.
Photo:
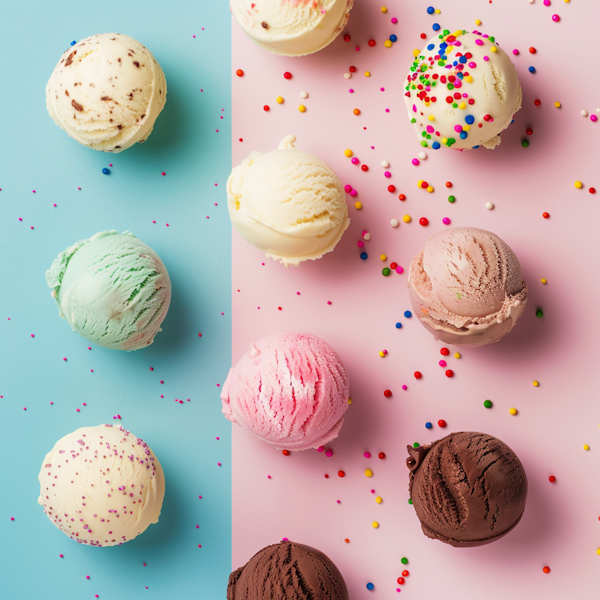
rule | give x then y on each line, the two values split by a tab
66	93
105	98
136	63
70	58
265	25
119	127
76	106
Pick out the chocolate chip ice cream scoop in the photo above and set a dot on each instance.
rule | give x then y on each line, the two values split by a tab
468	489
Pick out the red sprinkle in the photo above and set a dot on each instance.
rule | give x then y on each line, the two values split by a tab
442	423
423	221
405	573
402	197
551	479
529	131
546	215
381	455
400	580
387	393
449	373
239	73
537	102
347	38
393	266
341	474
391	188
352	69
448	184
418	375
592	190
285	452
266	108
532	50
365	168
372	43
287	75
546	569
444	351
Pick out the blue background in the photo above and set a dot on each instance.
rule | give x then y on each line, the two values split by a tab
36	155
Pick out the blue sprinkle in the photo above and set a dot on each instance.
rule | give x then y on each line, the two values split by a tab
428	425
430	46
512	121
455	63
443	45
436	145
73	43
430	10
474	147
462	60
460	75
398	325
106	171
532	69
393	38
463	135
364	255
470	119
436	27
370	586
407	314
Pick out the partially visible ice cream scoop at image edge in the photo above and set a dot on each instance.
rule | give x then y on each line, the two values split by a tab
466	287
290	390
112	289
462	91
292	27
287	203
106	92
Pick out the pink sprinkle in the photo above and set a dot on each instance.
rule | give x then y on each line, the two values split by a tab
32	335
320	448
486	58
200	497
163	173
24	408
546	2
400	270
161	381
268	477
555	18
12	518
516	52
328	302
353	193
360	244
329	452
404	387
357	48
593	118
33	191
154	221
387	110
351	91
217	438
367	455
443	363
65	359
20	219
348	188
219	464
387	174
87	576
372	491
354	161
394	20
89	348
382	89
479	42
415	161
338	501
446	221
61	555
167	224
54	205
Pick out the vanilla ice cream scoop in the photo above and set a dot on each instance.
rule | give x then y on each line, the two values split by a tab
106	92
466	287
292	27
287	203
101	486
462	91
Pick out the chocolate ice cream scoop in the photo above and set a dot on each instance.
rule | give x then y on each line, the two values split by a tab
287	571
468	489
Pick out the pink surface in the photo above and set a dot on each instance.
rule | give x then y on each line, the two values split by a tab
560	527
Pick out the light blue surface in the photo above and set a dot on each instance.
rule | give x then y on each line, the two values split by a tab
36	155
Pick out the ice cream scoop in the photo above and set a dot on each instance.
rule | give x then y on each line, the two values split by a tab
290	390
468	489
112	289
292	27
462	91
101	486
466	287
287	203
287	571
106	92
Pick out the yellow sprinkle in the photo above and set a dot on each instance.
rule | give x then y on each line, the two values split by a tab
578	185
462	105
379	500
586	447
597	551
430	189
512	411
469	78
457	355
383	9
358	205
349	400
431	118
369	473
477	22
457	33
494	49
279	100
544	281
302	108
375	524
383	257
567	1
388	44
367	74
444	140
415	52
467	128
406	218
536	383
419	183
437	11
348	153
381	353
557	104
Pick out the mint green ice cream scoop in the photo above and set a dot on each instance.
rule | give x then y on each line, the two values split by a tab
112	289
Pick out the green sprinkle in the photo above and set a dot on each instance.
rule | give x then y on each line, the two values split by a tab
424	143
385	272
492	39
410	500
451	199
416	445
487	403
539	313
404	560
524	143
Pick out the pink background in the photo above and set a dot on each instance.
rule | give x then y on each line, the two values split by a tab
561	526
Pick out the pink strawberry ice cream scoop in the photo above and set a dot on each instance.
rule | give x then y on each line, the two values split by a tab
466	287
290	390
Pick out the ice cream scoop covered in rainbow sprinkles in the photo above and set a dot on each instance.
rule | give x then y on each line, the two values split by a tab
462	91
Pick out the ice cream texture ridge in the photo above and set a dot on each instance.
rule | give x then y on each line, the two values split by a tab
290	390
292	27
462	91
287	203
101	486
112	289
466	287
106	92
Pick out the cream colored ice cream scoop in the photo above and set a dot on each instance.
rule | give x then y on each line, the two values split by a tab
101	486
106	92
292	27
287	203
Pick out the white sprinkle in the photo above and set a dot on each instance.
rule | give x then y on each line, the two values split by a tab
385	164
303	94
422	156
531	1
489	205
584	113
347	75
394	223
367	237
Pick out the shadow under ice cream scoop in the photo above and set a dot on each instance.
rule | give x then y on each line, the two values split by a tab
287	571
112	289
468	489
290	390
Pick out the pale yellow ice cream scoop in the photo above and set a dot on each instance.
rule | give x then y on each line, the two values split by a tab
101	486
292	27
106	92
287	203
